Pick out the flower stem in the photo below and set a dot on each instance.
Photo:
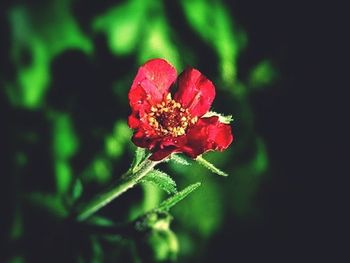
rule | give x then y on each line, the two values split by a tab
127	182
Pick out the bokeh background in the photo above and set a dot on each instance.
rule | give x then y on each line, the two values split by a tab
65	70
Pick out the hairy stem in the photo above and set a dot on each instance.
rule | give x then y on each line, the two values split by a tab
129	180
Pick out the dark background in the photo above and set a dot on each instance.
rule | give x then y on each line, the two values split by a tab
301	124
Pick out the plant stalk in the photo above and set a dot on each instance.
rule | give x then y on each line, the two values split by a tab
122	185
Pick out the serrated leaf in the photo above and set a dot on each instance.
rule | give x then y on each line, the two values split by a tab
162	180
227	119
210	166
173	200
178	159
140	155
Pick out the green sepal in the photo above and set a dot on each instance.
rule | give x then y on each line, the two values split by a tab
140	155
227	119
210	166
179	159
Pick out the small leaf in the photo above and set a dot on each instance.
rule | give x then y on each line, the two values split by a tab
77	189
178	159
173	200
51	203
140	155
227	119
210	166
162	180
96	250
100	221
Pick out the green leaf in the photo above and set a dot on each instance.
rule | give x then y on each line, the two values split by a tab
173	200
96	249
162	180
100	221
77	189
51	203
227	119
178	159
210	166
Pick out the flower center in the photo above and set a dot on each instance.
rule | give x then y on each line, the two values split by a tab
170	118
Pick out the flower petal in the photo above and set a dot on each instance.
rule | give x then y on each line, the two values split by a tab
162	153
138	99
134	121
207	134
142	138
196	92
151	83
166	146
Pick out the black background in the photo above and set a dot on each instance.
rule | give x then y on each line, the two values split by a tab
300	121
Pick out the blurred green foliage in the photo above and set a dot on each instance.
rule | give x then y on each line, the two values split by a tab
212	22
65	145
132	28
43	37
262	75
85	150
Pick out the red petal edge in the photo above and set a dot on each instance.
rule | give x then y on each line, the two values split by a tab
161	154
207	134
151	83
166	146
196	92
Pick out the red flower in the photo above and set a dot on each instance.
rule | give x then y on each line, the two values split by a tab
164	124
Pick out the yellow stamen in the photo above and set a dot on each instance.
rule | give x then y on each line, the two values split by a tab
170	118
